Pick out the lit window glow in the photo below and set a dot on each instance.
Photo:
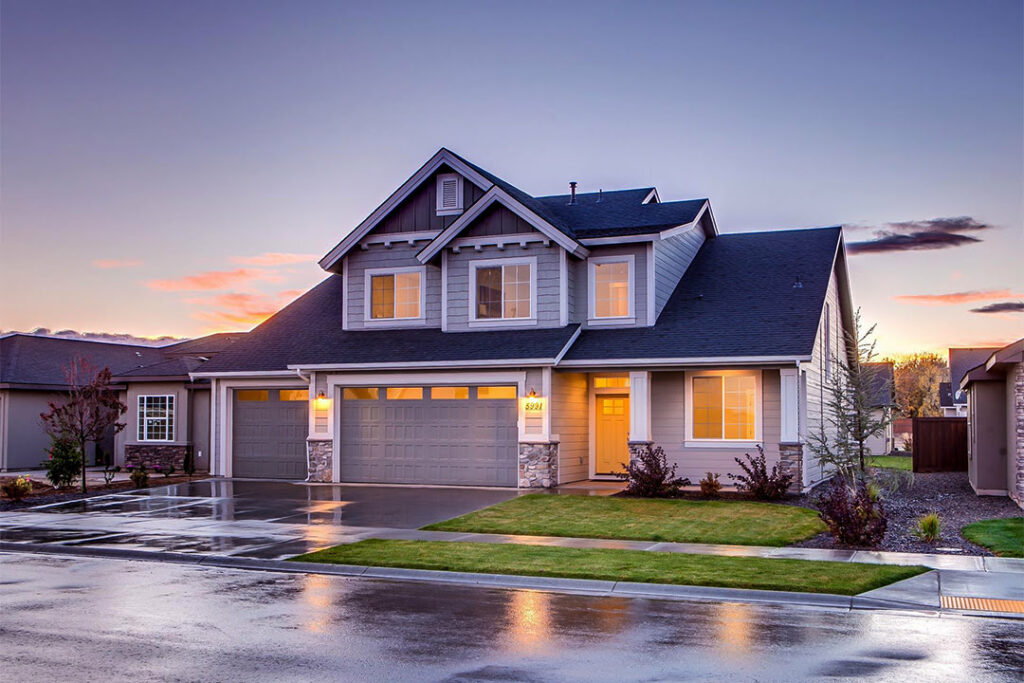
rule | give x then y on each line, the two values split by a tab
724	407
395	296
503	292
611	289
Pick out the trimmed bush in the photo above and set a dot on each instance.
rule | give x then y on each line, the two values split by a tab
16	489
710	485
139	476
64	466
650	476
853	515
757	481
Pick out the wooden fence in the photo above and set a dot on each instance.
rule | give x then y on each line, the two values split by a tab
940	444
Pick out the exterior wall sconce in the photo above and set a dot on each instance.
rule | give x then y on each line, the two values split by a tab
321	402
533	403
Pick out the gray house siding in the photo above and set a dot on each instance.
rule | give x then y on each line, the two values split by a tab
668	426
497	220
400	255
25	442
672	257
570	424
579	274
418	213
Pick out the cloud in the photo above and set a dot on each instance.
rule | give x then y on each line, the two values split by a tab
117	337
240	309
274	258
936	233
109	263
1001	307
213	279
955	297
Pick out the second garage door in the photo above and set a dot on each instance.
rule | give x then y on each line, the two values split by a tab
269	428
430	435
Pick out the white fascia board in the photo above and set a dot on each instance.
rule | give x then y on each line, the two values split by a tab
255	374
442	157
624	239
568	345
696	360
499	363
496	194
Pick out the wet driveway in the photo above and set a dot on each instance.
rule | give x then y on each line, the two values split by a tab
247	518
101	619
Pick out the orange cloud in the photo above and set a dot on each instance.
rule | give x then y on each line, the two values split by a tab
241	309
274	258
108	263
956	297
213	279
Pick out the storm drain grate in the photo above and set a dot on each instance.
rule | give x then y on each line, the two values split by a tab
982	604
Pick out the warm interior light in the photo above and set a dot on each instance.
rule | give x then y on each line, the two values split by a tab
533	393
322	402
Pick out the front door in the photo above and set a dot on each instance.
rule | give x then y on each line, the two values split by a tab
611	433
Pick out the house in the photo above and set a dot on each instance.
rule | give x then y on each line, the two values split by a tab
952	404
468	333
883	400
995	421
952	400
168	412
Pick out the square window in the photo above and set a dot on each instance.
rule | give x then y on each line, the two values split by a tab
450	393
488	393
293	395
724	407
395	296
404	393
360	393
252	395
504	292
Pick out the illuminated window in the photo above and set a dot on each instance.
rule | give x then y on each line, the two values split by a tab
724	407
611	296
404	393
503	292
156	418
360	393
293	395
395	296
611	382
449	392
613	406
258	395
495	392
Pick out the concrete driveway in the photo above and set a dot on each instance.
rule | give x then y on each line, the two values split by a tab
236	517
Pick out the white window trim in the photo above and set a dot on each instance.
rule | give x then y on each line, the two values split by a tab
827	334
473	321
592	263
140	417
368	275
692	442
441	177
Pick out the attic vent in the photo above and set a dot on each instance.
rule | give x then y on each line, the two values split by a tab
449	194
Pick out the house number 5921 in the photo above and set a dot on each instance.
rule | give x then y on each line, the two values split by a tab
533	405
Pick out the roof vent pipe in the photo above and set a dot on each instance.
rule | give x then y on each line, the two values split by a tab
600	194
572	193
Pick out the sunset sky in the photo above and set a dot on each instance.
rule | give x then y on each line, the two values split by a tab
177	168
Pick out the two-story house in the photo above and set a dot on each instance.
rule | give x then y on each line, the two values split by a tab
469	333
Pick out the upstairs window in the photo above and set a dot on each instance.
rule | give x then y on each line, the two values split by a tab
156	418
610	286
449	194
503	291
395	295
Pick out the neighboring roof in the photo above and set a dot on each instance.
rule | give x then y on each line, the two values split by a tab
177	367
34	360
995	364
203	346
883	381
736	300
309	332
946	398
963	359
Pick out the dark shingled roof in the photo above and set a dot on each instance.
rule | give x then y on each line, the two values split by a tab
962	360
172	367
28	359
203	346
737	298
309	332
946	394
883	381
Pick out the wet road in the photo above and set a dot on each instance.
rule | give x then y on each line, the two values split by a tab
98	619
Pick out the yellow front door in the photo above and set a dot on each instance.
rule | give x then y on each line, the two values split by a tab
611	433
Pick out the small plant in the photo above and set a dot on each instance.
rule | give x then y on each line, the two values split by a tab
650	476
927	528
757	481
710	485
851	513
110	472
168	471
17	489
64	464
139	476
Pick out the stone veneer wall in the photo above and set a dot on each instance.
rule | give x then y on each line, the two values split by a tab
151	455
638	448
538	465
1016	377
791	461
319	457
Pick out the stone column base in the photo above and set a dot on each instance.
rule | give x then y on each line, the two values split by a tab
320	457
639	448
791	461
151	456
538	465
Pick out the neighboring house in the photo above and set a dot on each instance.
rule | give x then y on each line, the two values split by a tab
469	333
953	404
153	381
995	422
883	400
960	361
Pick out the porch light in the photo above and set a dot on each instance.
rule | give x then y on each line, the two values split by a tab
533	403
321	402
532	394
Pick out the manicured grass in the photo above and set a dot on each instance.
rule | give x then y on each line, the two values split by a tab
684	521
807	576
1004	537
892	462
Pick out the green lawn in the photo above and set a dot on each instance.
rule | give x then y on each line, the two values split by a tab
684	521
841	578
1004	537
892	462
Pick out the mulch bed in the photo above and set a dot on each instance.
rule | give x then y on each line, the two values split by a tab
44	494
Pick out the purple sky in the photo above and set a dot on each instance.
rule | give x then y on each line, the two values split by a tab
177	167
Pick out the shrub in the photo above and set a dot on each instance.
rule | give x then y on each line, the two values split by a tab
710	486
16	489
109	472
64	465
650	476
168	471
189	466
139	476
757	481
927	528
851	513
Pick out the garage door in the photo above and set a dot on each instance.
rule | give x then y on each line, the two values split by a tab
269	428
430	435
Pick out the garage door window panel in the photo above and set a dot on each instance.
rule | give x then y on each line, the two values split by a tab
360	393
449	393
404	393
493	393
